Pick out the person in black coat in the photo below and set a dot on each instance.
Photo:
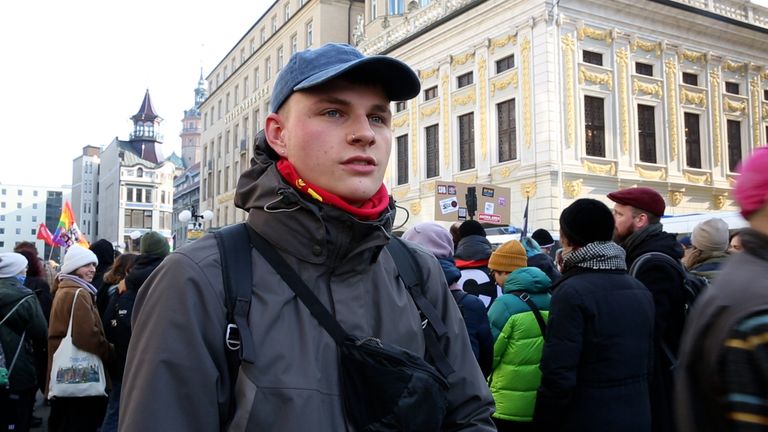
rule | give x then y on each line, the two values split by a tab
117	316
105	252
599	342
638	230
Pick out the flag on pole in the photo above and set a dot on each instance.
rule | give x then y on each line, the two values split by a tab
67	233
45	235
525	219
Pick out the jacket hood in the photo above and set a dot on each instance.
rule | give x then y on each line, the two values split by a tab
11	291
473	247
311	233
529	279
105	252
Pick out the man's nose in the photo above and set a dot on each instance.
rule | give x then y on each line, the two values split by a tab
361	133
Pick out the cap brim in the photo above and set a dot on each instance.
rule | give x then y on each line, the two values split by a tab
398	79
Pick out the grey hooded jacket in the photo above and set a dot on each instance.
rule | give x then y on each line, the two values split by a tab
176	373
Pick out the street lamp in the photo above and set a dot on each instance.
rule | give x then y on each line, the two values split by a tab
195	228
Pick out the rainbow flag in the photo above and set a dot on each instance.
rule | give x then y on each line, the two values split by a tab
67	233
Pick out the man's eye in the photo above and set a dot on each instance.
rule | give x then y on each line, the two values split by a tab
377	119
332	113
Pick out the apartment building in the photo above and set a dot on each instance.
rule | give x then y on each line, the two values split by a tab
85	190
23	208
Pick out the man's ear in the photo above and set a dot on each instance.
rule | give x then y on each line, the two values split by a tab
273	131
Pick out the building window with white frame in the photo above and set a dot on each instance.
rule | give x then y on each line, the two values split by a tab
402	159
507	127
253	45
464	80
286	12
263	35
505	63
256	78
396	7
267	69
309	34
594	126
592	57
692	140
466	141
279	58
274	24
733	130
646	133
433	151
294	43
374	9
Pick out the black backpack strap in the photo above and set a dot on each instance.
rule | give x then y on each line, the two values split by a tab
649	256
412	277
522	295
235	254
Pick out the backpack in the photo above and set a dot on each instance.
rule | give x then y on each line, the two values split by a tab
693	284
459	295
5	369
234	243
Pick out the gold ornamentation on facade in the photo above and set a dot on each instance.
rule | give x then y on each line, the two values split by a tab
622	59
501	84
646	46
400	121
446	123
503	41
735	106
414	140
735	67
765	111
466	178
764	75
416	208
483	77
427	74
572	188
719	201
693	98
429	186
598	168
595	78
400	192
570	112
671	70
647	88
659	174
714	84
693	57
697	178
754	86
505	172
525	51
603	35
463	100
675	198
429	111
528	190
462	59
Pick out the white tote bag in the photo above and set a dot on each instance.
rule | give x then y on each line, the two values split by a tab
74	372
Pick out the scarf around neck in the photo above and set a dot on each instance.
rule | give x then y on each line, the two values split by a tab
603	255
369	210
637	237
88	287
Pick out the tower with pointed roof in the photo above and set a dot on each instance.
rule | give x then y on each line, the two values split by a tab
191	130
145	138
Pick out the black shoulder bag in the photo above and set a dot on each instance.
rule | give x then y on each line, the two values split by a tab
522	295
386	388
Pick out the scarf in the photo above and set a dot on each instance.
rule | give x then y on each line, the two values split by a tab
603	255
638	237
755	243
90	288
370	210
452	274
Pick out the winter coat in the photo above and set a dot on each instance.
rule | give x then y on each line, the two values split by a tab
42	290
472	254
597	354
28	317
666	285
479	330
518	344
710	267
294	383
545	264
87	331
118	313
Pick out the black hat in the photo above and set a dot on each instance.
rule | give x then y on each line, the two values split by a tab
543	237
471	227
587	221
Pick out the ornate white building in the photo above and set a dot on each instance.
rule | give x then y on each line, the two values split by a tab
560	100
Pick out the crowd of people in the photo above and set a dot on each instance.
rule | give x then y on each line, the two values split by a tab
438	331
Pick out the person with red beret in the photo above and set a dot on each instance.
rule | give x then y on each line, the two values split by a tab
722	377
637	213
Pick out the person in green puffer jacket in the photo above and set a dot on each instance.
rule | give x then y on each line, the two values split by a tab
518	336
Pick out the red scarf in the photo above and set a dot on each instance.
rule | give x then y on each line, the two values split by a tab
369	210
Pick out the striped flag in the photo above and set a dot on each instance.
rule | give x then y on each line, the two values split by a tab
67	233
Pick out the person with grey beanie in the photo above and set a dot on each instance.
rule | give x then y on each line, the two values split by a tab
709	248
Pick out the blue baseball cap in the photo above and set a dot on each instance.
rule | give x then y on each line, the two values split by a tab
313	67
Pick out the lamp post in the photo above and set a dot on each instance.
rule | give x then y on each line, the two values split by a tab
195	222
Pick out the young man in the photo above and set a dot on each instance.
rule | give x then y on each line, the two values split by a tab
722	379
638	230
315	193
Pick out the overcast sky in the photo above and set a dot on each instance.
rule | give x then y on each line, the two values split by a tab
74	72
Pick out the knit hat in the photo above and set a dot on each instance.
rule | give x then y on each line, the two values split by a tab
711	235
642	198
11	264
76	257
508	257
153	243
751	190
433	237
471	227
586	221
543	237
104	251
